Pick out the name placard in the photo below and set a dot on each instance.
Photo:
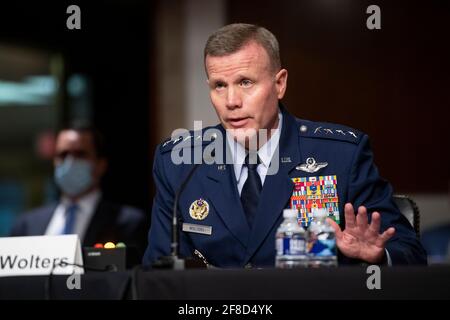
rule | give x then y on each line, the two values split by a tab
40	255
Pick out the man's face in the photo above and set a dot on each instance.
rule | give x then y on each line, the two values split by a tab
245	90
79	145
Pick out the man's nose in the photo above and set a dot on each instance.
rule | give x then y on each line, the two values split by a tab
233	98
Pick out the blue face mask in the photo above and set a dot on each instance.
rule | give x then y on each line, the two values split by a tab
74	176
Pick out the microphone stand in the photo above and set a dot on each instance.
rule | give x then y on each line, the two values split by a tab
174	261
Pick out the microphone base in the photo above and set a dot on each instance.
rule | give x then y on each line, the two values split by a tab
175	263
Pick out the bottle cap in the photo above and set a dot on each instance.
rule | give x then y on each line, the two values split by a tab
290	213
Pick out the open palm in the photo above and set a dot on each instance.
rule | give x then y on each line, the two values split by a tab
360	239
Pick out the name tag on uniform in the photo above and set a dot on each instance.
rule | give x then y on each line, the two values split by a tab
197	228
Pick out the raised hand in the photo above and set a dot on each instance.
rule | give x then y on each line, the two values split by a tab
359	239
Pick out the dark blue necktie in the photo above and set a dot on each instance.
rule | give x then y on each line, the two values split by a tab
251	190
71	212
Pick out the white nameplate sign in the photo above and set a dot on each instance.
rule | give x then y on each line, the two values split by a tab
40	255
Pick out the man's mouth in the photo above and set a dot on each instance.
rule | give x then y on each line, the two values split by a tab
238	122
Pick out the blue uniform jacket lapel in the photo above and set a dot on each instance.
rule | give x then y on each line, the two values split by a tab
224	196
278	187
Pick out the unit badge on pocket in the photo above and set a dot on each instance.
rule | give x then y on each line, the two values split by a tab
199	209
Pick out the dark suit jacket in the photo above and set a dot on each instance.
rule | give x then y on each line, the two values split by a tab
110	222
231	243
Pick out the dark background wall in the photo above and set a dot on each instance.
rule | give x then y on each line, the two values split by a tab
391	83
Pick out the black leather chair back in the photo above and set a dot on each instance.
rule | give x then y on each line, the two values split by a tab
410	210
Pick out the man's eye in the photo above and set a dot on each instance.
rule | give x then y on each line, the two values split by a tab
62	155
219	86
246	83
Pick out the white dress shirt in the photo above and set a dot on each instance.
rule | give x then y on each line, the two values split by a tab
83	216
265	154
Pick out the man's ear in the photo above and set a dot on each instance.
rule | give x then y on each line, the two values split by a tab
281	82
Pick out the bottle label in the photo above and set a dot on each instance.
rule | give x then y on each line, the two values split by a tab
322	248
290	246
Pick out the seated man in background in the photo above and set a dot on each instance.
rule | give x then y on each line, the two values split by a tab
80	164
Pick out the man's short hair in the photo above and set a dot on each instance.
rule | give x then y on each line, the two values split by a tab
231	38
85	127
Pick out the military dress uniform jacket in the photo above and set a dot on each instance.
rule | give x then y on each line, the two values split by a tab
225	238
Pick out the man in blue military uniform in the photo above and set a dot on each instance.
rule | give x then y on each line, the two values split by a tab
230	212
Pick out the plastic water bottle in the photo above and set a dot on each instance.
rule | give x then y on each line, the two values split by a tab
321	246
290	242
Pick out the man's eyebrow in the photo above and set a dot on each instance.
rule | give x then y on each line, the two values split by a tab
76	151
216	81
243	77
61	153
238	77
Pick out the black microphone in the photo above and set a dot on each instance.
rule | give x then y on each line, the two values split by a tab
175	235
174	261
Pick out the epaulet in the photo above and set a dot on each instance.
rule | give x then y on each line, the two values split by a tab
324	130
188	140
